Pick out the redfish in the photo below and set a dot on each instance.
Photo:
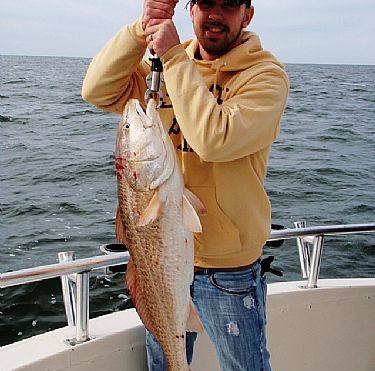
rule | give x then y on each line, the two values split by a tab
156	219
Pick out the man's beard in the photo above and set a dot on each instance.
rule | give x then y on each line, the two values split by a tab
217	47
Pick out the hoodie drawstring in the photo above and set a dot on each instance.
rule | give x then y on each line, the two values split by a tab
217	71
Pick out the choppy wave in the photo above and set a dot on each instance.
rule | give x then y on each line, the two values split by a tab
5	118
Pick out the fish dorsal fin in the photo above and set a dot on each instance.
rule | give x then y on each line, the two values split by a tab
190	216
137	296
195	202
152	211
193	323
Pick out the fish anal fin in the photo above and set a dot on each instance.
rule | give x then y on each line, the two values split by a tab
195	202
119	227
137	296
152	211
190	216
193	323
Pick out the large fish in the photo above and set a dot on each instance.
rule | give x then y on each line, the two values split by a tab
156	219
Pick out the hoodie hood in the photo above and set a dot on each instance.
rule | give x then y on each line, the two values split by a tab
242	57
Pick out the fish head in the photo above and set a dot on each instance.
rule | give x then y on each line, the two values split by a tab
140	148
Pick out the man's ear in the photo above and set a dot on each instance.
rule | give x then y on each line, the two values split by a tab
248	16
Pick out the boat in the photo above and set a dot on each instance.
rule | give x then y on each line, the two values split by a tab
313	324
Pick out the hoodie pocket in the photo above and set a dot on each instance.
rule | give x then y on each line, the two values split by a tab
220	237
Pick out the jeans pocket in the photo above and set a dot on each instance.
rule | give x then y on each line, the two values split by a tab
236	283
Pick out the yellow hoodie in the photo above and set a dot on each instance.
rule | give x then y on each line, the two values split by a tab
223	137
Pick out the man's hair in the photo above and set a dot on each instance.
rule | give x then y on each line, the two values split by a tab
240	2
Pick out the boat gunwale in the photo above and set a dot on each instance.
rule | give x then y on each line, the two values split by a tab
78	266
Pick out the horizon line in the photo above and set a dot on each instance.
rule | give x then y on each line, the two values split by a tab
84	57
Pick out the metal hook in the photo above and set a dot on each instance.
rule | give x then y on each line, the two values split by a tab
155	81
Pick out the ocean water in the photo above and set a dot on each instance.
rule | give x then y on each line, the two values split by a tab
58	184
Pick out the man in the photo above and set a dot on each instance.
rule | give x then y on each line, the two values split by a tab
224	98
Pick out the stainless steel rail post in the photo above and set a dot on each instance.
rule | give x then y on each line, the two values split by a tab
315	262
68	289
304	251
82	325
76	294
82	309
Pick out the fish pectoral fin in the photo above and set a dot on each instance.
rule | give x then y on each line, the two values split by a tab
193	323
137	296
195	202
119	228
152	211
190	216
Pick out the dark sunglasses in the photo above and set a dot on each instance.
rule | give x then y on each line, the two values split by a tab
226	4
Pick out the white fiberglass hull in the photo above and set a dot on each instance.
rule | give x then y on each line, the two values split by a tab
331	328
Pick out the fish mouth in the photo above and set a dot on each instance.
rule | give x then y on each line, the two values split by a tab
132	157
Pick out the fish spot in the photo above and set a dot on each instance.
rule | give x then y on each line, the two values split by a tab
248	302
119	166
232	329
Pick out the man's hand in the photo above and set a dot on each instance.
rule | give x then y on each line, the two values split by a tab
157	9
161	35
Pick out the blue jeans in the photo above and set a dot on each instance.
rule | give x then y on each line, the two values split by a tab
231	306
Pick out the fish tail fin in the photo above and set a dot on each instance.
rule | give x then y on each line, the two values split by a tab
119	228
193	323
152	211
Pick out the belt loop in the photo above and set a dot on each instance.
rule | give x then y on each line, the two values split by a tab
206	271
254	274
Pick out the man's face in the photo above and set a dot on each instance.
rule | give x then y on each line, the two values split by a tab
218	25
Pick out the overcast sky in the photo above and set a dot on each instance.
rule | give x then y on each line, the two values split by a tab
296	31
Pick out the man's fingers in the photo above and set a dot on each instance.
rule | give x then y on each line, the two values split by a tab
157	9
157	23
161	36
153	24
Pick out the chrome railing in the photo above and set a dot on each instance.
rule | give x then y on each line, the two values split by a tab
310	241
75	273
61	269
